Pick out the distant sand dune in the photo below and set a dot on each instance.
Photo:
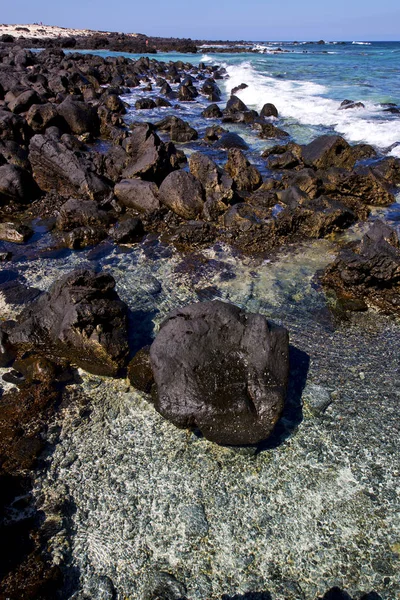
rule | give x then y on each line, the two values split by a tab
48	31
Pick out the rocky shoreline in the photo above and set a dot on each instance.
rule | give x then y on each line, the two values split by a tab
28	36
72	164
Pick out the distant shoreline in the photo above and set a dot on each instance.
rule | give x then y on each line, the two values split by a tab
31	35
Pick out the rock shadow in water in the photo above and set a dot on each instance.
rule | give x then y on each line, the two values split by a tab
141	329
292	414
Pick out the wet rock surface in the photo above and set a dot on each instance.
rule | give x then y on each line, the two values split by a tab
81	319
369	271
221	370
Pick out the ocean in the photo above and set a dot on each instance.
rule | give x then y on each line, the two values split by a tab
307	82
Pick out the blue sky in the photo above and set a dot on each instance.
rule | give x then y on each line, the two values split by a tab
220	19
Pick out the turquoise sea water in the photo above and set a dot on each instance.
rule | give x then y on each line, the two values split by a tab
307	83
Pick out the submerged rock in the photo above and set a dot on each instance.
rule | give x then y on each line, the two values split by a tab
81	318
221	370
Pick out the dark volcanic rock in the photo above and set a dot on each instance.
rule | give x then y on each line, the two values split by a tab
328	151
246	176
221	370
138	194
13	127
15	232
269	110
267	130
77	213
215	181
41	116
369	270
24	101
182	193
235	104
350	104
127	231
81	117
81	319
57	168
149	156
212	112
16	185
145	104
82	237
140	373
230	140
367	187
178	129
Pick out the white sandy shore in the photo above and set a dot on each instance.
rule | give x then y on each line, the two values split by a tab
48	31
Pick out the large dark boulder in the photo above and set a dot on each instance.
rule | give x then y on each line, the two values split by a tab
80	117
328	151
231	140
13	127
369	270
269	110
246	176
267	130
81	319
365	186
16	185
210	89
41	116
235	104
24	101
221	370
178	129
82	213
57	168
212	112
149	157
145	104
182	193
138	194
215	181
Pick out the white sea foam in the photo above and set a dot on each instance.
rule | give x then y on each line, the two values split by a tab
307	103
206	58
362	43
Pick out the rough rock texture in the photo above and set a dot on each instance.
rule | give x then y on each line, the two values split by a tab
230	140
56	168
178	129
138	194
81	318
221	370
328	151
77	213
81	117
369	270
17	185
246	176
183	194
149	157
214	180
